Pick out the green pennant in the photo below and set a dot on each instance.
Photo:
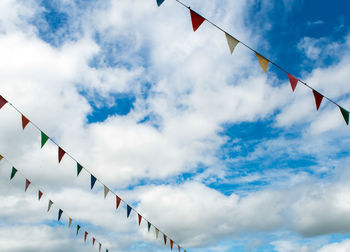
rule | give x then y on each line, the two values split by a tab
44	139
345	114
79	168
13	173
149	225
78	227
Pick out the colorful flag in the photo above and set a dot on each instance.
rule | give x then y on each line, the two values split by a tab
25	121
79	168
197	20
27	185
157	232
44	139
140	218
318	98
61	153
2	101
171	244
93	181
93	241
106	190
262	61
40	194
149	225
118	201
78	228
178	246
164	237
293	81
99	247
70	222
60	214
345	114
159	2
85	236
13	172
50	204
1	157
232	42
128	211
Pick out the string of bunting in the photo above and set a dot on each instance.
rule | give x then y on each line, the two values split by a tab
61	153
232	42
15	171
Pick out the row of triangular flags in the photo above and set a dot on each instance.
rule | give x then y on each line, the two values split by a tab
61	153
197	20
15	171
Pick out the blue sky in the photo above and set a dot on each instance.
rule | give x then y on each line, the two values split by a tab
159	112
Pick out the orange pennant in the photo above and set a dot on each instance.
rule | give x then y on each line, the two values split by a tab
262	61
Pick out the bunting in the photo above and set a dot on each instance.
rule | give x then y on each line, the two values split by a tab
293	81
164	237
78	228
49	206
264	63
179	247
157	233
318	98
27	185
159	2
85	236
345	114
148	225
2	101
61	153
197	20
44	139
1	157
25	122
99	247
232	42
139	218
13	172
70	222
93	181
171	244
93	241
106	190
79	168
128	211
40	194
60	211
118	201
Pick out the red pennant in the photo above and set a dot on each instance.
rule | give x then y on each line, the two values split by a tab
40	195
140	218
197	20
118	201
178	246
293	81
171	244
85	236
27	185
93	241
61	153
2	101
25	121
318	98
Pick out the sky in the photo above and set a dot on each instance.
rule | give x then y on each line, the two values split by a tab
206	146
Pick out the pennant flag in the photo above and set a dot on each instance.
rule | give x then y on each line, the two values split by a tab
60	214
157	233
93	181
345	114
70	222
149	225
197	20
140	218
264	63
106	250
40	194
61	153
106	190
232	42
164	237
159	2
79	168
318	98
171	244
78	228
85	236
50	204
93	241
293	81
44	139
99	247
118	201
178	246
25	121
13	172
27	185
128	210
2	101
1	157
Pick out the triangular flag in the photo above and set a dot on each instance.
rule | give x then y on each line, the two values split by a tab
61	153
79	168
106	250
40	194
171	244
318	98
70	222
60	214
178	246
99	247
27	185
93	181
50	204
232	42
118	201
345	114
78	228
159	2
106	190
1	157
25	121
13	172
262	61
197	20
93	241
2	101
293	81
85	236
140	218
157	232
149	225
128	211
164	237
44	139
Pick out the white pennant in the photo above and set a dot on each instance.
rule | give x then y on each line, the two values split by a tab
232	42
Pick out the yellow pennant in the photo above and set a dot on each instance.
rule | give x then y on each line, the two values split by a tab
157	233
263	62
70	222
1	157
231	41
